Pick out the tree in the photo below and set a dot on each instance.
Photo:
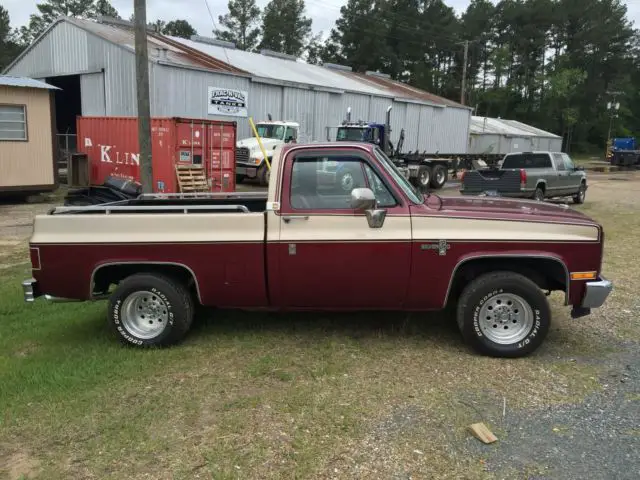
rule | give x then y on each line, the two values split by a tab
9	48
241	24
314	50
179	28
49	10
358	38
105	9
285	29
157	25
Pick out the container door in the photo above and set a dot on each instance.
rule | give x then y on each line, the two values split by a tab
221	156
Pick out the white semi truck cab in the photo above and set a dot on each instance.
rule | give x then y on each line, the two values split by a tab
249	158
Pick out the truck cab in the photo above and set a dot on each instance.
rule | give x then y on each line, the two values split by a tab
361	132
250	161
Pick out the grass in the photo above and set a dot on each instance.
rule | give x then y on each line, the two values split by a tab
289	396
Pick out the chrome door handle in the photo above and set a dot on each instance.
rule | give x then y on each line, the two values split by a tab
288	219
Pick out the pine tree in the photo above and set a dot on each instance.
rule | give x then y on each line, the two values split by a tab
49	10
9	48
285	29
105	9
179	28
359	37
240	24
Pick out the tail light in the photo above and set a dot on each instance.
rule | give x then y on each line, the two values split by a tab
462	175
523	178
34	253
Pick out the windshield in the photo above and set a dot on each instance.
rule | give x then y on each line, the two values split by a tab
404	184
270	131
351	134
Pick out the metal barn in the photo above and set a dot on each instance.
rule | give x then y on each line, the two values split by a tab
496	135
93	64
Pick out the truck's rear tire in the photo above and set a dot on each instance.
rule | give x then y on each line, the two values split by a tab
503	314
240	178
424	178
439	176
263	175
538	194
148	310
579	197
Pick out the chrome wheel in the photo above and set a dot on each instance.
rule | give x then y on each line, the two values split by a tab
346	182
538	195
506	319
424	178
440	176
144	315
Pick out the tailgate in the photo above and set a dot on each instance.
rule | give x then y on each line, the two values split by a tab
490	180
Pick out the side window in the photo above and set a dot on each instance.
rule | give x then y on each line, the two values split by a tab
316	187
382	193
568	163
291	135
13	122
558	161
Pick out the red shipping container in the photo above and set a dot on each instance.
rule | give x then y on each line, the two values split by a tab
111	145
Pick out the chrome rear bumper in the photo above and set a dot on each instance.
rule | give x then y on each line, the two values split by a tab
30	290
596	293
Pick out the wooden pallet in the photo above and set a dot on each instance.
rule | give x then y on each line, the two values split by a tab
191	179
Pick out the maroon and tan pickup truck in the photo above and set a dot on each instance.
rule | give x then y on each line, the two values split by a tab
314	242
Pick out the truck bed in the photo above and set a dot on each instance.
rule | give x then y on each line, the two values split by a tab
244	202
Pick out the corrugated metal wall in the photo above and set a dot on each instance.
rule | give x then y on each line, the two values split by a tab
298	107
265	99
359	107
62	52
412	124
322	115
178	92
93	103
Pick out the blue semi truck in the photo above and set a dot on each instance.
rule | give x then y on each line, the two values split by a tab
624	152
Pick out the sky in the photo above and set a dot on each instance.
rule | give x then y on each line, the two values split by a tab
323	12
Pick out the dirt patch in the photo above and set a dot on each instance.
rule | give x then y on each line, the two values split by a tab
21	466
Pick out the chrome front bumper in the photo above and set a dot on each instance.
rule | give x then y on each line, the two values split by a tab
596	293
30	289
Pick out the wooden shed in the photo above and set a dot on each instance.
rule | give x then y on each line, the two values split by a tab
27	136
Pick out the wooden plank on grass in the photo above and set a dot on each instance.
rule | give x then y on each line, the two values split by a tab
482	433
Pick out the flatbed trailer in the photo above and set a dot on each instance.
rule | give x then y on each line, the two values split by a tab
426	170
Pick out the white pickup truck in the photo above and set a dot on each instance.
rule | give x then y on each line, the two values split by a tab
249	158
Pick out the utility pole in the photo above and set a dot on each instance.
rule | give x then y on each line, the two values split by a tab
142	84
464	72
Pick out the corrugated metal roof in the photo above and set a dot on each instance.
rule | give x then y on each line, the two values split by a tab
283	70
159	49
9	81
401	90
498	126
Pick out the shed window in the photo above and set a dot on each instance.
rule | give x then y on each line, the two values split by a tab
13	122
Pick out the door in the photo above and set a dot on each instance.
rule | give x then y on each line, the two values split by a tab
574	177
329	256
561	184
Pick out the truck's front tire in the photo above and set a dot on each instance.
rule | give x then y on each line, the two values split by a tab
263	175
439	177
149	310
503	314
239	178
579	197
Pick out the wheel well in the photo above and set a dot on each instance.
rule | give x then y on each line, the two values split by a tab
542	186
104	277
547	273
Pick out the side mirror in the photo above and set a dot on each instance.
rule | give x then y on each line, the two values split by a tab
364	199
